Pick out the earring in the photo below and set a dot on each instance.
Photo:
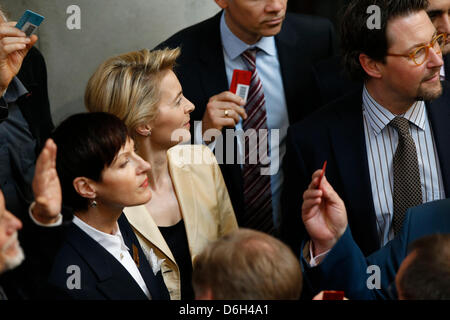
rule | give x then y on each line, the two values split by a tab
149	133
93	204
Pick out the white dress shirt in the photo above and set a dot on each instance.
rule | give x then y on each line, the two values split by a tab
115	245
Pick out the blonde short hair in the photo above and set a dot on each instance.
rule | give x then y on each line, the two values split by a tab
128	85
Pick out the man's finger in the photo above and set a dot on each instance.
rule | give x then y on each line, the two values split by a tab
230	97
240	111
10	48
12	40
7	30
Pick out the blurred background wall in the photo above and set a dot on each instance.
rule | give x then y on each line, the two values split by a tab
110	27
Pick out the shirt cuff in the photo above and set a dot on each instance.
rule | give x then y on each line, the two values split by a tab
198	137
55	224
315	261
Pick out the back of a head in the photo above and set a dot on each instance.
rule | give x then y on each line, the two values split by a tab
427	275
362	32
87	143
248	265
128	85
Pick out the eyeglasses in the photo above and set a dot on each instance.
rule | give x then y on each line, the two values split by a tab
420	54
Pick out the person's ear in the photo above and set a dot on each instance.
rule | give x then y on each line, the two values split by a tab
222	3
373	68
85	187
144	130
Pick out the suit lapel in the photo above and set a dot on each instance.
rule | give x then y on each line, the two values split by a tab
286	42
184	188
439	115
213	73
155	283
349	147
142	221
110	273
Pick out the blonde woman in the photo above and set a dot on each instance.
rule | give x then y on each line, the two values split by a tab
190	206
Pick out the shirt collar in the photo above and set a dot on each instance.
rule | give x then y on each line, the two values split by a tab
234	46
108	241
15	90
379	117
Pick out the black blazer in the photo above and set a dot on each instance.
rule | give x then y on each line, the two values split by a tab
102	276
302	41
24	281
336	133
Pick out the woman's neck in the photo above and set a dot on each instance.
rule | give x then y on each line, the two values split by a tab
156	155
102	218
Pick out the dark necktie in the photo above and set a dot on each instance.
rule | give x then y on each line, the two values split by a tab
407	186
257	191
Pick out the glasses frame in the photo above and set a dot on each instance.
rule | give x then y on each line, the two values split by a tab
427	47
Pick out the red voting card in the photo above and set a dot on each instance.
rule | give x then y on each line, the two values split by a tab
333	295
240	83
322	174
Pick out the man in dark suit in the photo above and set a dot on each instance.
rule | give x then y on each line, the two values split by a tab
333	260
286	46
25	124
358	134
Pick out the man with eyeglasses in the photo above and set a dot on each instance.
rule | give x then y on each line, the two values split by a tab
386	144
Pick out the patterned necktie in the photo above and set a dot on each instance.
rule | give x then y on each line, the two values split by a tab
257	191
407	186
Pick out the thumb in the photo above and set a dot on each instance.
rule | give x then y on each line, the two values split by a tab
328	192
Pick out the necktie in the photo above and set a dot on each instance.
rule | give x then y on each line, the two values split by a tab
407	186
257	191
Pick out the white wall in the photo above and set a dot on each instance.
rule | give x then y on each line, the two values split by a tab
108	27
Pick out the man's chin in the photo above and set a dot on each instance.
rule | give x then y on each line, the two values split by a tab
431	93
11	262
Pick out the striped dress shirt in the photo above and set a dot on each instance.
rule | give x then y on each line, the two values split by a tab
381	143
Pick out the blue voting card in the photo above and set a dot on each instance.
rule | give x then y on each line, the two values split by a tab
29	22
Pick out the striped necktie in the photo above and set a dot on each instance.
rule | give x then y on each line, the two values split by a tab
257	190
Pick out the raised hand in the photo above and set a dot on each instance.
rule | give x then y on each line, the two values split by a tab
323	213
46	186
14	46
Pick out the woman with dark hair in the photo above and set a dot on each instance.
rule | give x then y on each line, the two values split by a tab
100	174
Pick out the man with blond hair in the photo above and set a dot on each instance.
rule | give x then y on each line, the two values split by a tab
247	265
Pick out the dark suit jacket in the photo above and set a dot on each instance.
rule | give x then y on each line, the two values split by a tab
38	243
345	267
302	41
102	276
336	134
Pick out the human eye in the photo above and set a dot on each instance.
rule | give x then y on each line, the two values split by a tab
420	52
124	163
